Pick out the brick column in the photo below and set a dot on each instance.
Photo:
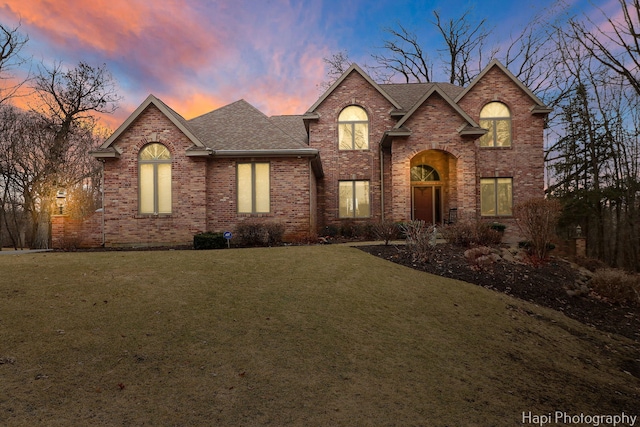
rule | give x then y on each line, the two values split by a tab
58	230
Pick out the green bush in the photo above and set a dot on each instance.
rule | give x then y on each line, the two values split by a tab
498	227
209	240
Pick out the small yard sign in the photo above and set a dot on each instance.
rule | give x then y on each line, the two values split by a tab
227	235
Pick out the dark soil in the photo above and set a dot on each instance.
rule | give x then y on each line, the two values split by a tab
545	285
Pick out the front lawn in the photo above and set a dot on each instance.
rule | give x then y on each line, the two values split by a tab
320	335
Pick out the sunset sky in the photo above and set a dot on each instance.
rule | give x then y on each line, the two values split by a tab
199	55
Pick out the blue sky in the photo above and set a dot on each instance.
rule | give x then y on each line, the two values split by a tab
200	55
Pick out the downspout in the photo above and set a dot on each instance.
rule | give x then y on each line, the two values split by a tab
102	197
381	184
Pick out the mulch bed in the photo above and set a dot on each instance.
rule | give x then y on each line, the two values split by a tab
544	285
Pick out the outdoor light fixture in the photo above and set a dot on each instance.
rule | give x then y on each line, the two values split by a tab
61	200
578	231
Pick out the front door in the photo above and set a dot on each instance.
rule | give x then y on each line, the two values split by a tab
423	204
426	204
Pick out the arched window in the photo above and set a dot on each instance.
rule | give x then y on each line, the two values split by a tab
424	173
353	129
496	118
154	163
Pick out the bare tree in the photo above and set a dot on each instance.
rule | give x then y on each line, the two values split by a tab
11	43
336	64
404	56
464	43
617	44
68	103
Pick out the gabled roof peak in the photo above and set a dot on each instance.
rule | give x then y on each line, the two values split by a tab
174	117
352	68
497	64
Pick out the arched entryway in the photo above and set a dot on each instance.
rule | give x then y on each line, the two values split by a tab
430	185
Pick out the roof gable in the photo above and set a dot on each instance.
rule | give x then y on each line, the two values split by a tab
354	68
174	117
435	89
539	105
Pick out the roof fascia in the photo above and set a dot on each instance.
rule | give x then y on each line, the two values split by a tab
165	110
356	68
436	89
505	70
292	152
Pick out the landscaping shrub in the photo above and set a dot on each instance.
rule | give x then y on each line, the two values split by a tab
209	240
537	220
349	229
330	231
421	239
469	233
386	230
617	286
253	233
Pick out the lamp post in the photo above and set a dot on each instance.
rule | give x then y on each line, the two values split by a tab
61	201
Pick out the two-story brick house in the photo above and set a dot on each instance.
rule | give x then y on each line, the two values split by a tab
362	152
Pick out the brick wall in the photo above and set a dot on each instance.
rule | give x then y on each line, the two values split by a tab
435	137
524	160
68	233
123	224
291	202
352	164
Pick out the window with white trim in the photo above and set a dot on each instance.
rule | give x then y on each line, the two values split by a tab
154	173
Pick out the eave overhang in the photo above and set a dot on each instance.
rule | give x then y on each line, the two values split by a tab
540	109
473	131
401	132
310	153
105	153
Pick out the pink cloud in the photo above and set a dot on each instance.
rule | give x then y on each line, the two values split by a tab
196	56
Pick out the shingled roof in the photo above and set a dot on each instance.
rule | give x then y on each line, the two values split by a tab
407	94
240	126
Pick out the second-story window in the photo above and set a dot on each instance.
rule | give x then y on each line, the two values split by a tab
496	118
353	129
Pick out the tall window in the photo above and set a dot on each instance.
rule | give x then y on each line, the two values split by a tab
253	188
496	196
353	129
496	118
354	199
154	162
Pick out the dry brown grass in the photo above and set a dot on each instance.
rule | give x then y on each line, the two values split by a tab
324	335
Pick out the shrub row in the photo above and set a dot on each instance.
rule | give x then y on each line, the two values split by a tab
253	233
249	233
209	240
472	233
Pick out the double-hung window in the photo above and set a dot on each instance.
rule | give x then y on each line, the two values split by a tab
354	199
353	129
496	196
154	163
496	118
253	188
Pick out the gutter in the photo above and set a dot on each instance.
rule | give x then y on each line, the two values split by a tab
284	152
